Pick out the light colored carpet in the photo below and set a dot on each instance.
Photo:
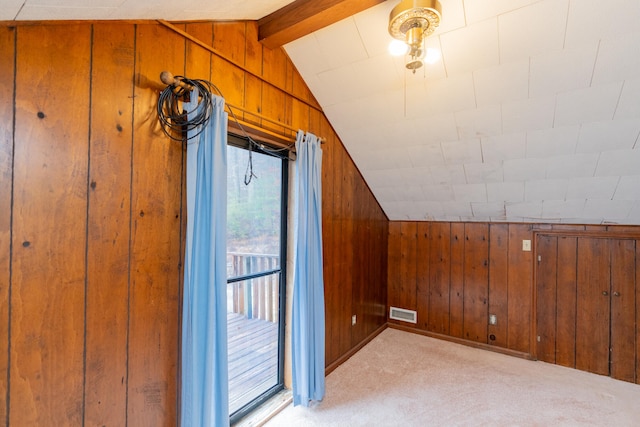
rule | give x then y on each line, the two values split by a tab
404	379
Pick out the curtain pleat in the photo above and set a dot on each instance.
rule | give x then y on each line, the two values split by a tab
308	327
205	389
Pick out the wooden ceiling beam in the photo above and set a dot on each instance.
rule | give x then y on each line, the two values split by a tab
303	17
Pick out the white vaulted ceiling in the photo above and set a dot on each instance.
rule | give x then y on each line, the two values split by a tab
531	114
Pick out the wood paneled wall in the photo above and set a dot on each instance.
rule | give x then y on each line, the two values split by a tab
456	274
93	211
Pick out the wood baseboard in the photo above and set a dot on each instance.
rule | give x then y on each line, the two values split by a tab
332	366
468	343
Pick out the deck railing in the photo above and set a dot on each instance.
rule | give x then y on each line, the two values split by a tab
256	298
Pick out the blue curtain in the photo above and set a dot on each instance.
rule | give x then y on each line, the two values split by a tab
307	339
205	385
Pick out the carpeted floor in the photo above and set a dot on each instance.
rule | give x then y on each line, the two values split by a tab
404	379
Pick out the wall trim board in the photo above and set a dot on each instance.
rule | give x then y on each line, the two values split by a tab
332	366
604	234
462	341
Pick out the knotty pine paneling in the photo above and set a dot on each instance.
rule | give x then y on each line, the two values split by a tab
519	289
439	276
7	50
395	264
456	285
48	260
108	248
593	309
422	279
468	271
565	353
547	291
586	301
498	279
408	267
97	215
623	309
476	279
156	209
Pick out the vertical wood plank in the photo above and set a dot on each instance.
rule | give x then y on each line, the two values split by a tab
229	39
155	244
252	98
593	306
333	290
300	120
520	289
408	233
253	48
273	106
395	259
566	301
422	271
439	275
456	289
498	279
109	223
275	70
226	76
330	250
48	296
623	310
547	250
476	281
346	240
7	52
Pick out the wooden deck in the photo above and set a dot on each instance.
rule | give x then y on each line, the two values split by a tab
253	358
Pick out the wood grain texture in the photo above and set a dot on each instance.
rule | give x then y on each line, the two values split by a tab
49	225
498	280
593	308
422	274
303	17
346	242
623	309
395	264
155	274
476	282
103	206
566	301
109	214
546	277
7	52
520	289
439	275
456	288
408	272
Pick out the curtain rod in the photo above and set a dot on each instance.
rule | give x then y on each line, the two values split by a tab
170	80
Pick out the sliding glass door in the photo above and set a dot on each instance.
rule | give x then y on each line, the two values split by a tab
256	243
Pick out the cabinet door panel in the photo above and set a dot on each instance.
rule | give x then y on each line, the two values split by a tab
623	303
566	297
593	306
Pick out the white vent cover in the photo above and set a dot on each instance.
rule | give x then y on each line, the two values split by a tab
401	314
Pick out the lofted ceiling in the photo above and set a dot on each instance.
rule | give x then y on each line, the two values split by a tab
531	114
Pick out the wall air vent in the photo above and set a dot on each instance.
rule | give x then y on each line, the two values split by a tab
403	315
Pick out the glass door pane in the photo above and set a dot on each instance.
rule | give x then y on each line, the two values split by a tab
254	278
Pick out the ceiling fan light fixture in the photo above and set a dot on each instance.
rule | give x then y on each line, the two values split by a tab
412	21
